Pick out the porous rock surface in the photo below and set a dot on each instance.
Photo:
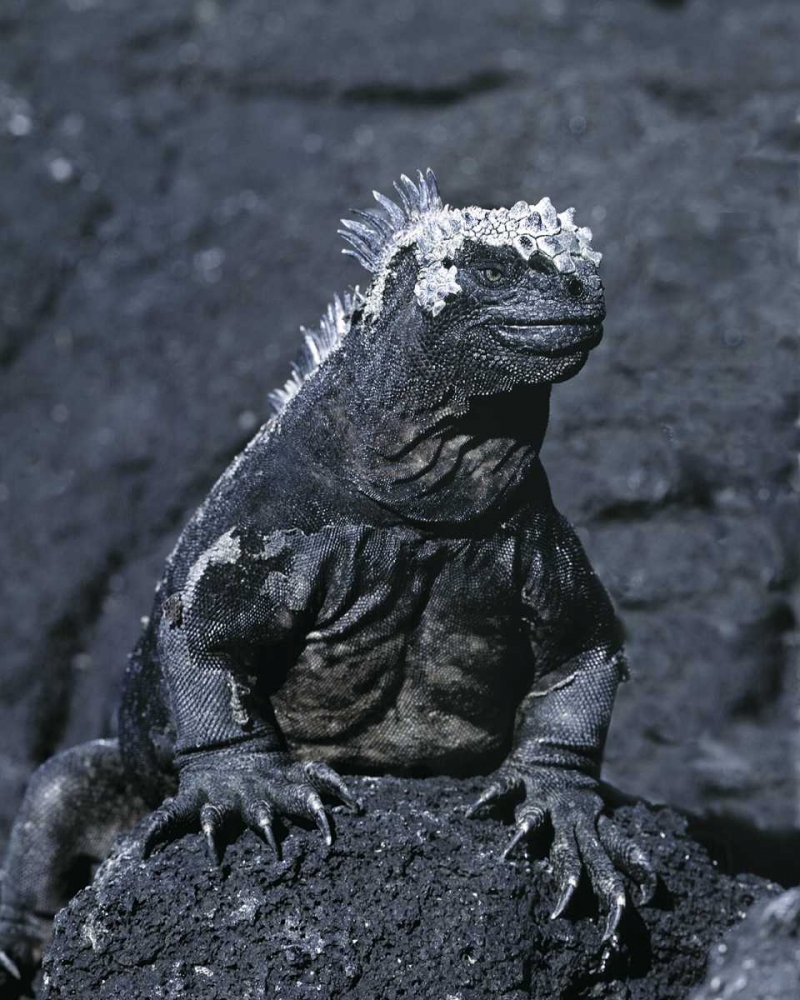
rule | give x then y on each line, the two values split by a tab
413	902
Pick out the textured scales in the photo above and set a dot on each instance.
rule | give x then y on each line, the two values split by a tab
379	581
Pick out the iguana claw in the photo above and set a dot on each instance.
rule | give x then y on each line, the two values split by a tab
9	965
584	840
255	787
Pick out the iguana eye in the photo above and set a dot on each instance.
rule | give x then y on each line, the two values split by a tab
492	274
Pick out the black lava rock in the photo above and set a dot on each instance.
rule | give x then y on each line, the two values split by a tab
413	901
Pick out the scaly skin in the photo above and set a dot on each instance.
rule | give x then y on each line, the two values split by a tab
380	581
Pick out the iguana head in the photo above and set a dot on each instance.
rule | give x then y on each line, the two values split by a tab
504	296
430	393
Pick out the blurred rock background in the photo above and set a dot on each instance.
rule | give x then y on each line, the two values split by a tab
172	176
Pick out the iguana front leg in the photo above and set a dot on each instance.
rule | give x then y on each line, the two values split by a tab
555	763
239	614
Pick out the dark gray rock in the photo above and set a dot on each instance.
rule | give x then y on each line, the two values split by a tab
170	185
414	901
759	959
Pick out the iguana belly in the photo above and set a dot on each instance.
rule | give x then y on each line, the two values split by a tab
421	666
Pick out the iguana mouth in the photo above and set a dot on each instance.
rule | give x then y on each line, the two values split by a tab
553	338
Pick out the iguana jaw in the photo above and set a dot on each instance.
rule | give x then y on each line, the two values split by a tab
559	339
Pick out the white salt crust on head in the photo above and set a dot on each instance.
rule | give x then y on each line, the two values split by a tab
435	232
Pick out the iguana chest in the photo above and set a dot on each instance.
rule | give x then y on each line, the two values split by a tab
417	657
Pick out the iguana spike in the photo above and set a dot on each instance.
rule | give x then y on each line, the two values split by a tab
434	198
409	196
312	347
423	191
395	213
377	221
371	236
318	344
359	255
365	253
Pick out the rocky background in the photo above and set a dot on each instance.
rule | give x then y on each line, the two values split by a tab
172	176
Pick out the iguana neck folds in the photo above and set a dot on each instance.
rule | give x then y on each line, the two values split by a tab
429	457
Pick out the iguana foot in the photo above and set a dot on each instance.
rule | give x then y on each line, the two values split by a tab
253	787
584	839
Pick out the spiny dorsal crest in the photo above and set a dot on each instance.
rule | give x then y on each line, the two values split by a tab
436	231
318	345
379	232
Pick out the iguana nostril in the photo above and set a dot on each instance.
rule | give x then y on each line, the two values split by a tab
575	287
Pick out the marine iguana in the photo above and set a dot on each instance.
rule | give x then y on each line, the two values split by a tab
379	582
